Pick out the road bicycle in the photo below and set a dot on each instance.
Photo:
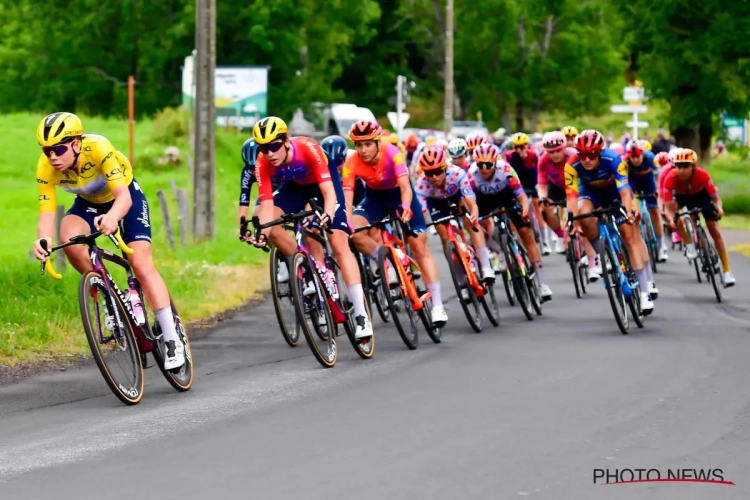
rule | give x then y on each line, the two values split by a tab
575	253
402	283
320	307
619	278
648	233
465	271
708	261
117	325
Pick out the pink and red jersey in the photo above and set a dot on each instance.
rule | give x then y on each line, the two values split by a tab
308	165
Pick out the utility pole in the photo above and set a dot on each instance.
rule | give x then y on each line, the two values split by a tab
448	110
204	174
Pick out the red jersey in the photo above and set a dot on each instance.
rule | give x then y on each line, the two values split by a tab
553	173
524	167
308	165
663	174
699	181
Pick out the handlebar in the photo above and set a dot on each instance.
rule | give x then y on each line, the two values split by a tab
316	210
394	216
611	210
455	215
83	239
694	211
550	203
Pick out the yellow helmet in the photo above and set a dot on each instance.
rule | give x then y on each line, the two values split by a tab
392	138
269	129
570	131
57	128
520	139
645	145
429	140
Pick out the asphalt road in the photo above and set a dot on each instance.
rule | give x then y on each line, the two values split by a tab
529	409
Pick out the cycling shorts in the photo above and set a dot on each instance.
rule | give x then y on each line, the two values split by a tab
441	207
647	185
555	193
505	199
699	199
291	197
135	226
378	203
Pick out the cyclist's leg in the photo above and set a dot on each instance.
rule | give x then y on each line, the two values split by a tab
480	245
555	194
438	209
288	198
687	201
418	244
79	220
370	209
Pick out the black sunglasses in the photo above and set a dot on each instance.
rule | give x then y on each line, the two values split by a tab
682	165
486	165
271	147
433	173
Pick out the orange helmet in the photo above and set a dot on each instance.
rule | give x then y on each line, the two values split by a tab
411	142
365	130
686	155
433	158
486	153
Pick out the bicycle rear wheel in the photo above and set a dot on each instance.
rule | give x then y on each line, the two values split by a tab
182	378
611	277
282	300
574	266
398	300
311	308
466	296
111	338
373	289
709	257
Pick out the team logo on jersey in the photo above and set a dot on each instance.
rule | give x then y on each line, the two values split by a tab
622	169
87	171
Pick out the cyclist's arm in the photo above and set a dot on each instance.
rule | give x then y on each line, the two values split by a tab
122	204
571	189
406	193
329	198
621	180
349	195
47	202
265	191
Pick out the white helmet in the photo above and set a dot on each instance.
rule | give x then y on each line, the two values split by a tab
456	148
499	133
442	144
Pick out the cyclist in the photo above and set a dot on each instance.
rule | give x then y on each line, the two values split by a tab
458	153
301	165
642	173
387	188
688	185
499	136
570	134
101	177
472	142
439	186
599	178
497	186
524	161
393	139
414	165
666	167
551	186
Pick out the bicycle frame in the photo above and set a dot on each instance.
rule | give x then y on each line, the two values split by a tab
608	230
504	222
391	241
457	235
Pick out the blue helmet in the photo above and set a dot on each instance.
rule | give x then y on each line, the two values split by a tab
250	152
335	147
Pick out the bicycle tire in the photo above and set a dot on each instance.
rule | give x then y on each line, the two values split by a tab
707	253
650	242
410	337
472	303
574	266
181	379
365	348
532	284
634	301
509	291
129	396
488	300
425	314
612	285
518	281
299	272
290	338
374	292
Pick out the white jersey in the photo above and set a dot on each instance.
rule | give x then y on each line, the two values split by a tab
505	177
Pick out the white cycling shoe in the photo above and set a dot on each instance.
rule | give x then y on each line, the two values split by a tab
364	328
653	291
439	317
545	249
545	291
729	280
559	247
663	256
282	274
174	356
647	305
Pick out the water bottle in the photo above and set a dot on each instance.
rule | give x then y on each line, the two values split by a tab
402	257
135	303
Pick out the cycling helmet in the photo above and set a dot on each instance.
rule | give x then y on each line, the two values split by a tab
590	141
393	139
486	153
686	155
554	141
270	129
520	139
411	142
250	152
488	139
430	140
645	145
433	158
473	141
58	128
456	148
499	134
386	132
662	159
634	148
673	154
617	148
366	130
335	147
442	144
570	131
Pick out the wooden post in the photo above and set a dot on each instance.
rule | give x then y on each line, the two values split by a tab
183	214
59	214
131	114
173	186
165	215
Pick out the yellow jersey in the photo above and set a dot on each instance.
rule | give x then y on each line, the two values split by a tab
100	169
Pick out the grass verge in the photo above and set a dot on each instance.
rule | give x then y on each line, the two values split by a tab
39	317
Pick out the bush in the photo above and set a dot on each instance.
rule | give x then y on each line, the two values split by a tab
171	125
732	176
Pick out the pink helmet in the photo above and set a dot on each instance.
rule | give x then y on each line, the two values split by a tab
554	141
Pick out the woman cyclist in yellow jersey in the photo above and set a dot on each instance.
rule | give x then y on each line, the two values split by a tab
106	193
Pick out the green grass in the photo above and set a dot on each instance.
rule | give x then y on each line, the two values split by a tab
39	316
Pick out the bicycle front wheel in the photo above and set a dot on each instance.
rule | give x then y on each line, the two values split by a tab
709	257
398	299
425	314
573	262
313	314
611	278
282	299
111	338
466	295
182	378
518	281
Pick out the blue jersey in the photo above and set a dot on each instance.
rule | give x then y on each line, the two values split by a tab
611	169
247	179
647	166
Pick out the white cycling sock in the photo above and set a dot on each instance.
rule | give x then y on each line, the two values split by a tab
484	257
166	322
357	296
434	289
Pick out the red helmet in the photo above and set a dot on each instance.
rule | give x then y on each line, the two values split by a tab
433	158
411	143
473	142
634	148
589	141
554	141
617	148
486	153
365	130
662	158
